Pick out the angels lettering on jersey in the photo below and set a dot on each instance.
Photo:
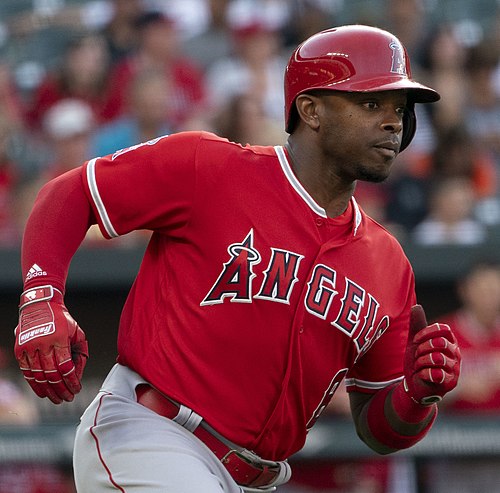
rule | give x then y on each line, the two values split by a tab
358	310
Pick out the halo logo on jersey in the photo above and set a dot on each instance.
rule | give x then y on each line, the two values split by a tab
235	280
340	301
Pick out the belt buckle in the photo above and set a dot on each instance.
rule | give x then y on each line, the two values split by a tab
240	454
252	459
257	475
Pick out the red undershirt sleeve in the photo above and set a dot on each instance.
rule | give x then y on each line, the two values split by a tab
56	227
391	421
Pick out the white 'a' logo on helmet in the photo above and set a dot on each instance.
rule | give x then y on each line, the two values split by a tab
398	58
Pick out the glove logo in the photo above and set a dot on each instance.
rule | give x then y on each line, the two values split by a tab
31	295
38	331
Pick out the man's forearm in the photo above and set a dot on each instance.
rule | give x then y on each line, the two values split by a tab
55	229
390	421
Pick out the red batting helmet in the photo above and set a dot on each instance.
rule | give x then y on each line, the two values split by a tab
354	59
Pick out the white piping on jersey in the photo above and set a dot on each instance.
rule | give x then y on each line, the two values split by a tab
364	384
287	169
357	213
94	191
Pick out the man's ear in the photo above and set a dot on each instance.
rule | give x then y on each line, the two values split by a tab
307	105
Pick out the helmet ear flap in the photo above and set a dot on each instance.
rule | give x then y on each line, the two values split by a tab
409	126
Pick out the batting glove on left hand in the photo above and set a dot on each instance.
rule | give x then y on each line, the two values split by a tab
432	359
50	347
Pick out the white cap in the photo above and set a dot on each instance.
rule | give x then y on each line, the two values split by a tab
67	118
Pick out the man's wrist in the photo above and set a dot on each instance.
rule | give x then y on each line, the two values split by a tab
39	293
407	408
393	421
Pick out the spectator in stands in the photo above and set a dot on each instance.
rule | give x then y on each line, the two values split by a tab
307	17
443	60
120	32
477	325
256	66
11	104
407	200
146	117
67	128
82	74
159	49
21	152
10	177
450	220
68	125
482	102
243	119
408	21
214	42
456	154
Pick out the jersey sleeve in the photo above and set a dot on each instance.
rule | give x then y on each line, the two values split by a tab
147	186
382	364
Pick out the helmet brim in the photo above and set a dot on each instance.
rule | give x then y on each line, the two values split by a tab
417	93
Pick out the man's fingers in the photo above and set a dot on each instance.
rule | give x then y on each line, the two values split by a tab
418	320
438	377
67	370
50	347
25	368
432	359
437	345
54	376
436	360
39	382
80	354
435	331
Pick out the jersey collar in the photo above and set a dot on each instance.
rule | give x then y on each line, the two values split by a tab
304	194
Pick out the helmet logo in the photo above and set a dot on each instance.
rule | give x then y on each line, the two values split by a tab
398	58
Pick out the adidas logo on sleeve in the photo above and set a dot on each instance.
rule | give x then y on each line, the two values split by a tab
35	271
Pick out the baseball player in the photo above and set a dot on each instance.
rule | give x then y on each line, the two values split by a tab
263	287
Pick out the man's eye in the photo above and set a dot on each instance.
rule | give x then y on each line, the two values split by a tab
371	104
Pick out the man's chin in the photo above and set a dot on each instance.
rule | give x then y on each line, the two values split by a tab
373	177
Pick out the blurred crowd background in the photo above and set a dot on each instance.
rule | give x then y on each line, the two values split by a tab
80	79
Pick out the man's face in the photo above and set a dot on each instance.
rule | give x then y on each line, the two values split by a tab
360	133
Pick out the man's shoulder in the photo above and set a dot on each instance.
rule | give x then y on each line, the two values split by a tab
236	146
211	147
383	239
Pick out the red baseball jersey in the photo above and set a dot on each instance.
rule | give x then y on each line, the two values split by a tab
251	305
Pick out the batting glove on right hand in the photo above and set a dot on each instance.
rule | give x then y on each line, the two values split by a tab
50	347
432	360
